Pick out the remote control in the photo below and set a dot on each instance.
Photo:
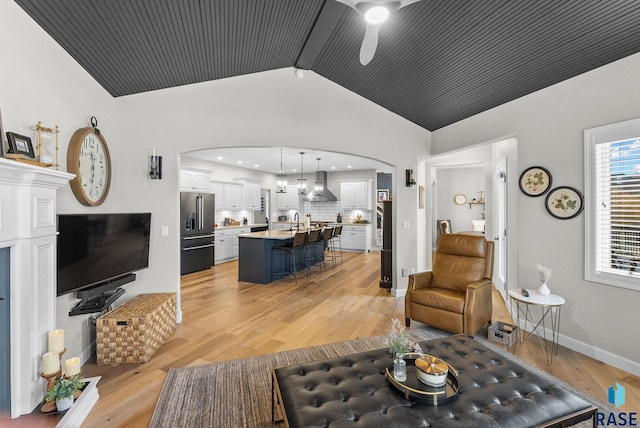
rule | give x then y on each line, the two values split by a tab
525	293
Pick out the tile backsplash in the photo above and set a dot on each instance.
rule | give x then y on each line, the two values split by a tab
320	211
327	211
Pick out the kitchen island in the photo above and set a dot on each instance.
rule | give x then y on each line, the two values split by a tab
255	255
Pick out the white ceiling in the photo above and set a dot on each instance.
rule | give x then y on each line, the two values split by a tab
267	159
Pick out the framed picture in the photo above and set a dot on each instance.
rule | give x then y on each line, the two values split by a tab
383	195
564	202
535	181
20	145
421	197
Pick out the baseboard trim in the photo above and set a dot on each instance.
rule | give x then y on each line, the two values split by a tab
399	292
594	352
607	357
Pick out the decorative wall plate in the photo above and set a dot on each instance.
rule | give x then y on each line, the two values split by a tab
564	202
535	181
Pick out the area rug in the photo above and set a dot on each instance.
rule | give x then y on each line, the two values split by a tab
237	393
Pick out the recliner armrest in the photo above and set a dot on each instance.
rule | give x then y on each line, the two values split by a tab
477	310
472	287
419	280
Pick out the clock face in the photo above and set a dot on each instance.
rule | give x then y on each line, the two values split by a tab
93	167
88	158
460	199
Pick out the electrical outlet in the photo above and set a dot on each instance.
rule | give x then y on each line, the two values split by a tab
405	224
164	230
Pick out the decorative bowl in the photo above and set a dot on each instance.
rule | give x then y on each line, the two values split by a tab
431	371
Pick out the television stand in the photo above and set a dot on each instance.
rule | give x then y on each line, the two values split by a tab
101	297
100	303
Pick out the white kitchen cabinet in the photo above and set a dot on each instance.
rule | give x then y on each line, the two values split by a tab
355	195
234	239
195	180
218	190
224	245
288	201
356	238
232	196
251	192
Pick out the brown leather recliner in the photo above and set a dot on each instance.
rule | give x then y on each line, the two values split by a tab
456	295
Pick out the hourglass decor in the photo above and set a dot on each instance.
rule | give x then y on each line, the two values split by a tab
45	137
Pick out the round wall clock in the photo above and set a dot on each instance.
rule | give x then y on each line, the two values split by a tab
88	158
460	199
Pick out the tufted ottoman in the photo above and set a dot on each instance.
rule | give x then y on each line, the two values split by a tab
353	391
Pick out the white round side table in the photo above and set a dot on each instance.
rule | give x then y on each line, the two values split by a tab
549	309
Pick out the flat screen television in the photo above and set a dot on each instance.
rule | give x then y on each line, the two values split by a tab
94	249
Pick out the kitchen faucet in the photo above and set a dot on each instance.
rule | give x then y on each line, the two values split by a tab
296	218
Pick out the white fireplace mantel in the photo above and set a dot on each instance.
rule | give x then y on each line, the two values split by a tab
28	229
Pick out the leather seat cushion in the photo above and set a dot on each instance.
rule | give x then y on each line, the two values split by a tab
353	391
442	298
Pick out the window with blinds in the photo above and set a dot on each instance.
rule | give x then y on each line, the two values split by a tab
612	183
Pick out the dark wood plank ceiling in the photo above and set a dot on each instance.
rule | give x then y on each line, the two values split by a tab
437	62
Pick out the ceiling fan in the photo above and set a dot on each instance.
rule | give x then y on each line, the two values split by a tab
375	13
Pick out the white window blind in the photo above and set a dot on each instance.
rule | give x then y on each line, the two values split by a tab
612	181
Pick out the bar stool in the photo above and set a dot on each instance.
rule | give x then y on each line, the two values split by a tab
327	235
290	249
312	246
337	231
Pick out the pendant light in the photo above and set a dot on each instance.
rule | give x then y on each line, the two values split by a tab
281	184
319	188
301	181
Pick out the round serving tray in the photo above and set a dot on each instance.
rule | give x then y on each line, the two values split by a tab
413	389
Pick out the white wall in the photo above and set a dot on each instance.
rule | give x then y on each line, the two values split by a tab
461	180
549	126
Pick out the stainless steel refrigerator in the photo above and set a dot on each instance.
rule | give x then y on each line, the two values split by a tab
197	218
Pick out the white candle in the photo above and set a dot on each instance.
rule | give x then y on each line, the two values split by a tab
50	363
72	366
56	341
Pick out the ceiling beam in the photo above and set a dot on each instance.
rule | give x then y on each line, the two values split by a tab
322	29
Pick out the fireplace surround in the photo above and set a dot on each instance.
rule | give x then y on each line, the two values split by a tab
28	229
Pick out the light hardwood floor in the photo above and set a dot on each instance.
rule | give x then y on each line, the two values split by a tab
225	319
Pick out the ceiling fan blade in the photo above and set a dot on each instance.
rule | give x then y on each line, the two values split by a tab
369	44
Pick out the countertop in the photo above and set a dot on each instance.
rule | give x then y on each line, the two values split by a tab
242	225
329	223
269	234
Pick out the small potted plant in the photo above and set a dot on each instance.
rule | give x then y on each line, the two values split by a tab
544	273
399	344
63	392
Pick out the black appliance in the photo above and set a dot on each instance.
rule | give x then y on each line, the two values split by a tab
98	253
386	255
197	217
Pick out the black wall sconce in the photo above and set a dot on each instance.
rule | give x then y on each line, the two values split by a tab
410	178
155	172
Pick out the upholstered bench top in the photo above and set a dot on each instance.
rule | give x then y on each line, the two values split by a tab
353	391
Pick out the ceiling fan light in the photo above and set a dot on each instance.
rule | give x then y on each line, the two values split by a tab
376	15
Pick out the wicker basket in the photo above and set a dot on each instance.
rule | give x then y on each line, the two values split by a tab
503	333
133	332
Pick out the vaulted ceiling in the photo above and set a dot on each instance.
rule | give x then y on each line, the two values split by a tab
437	62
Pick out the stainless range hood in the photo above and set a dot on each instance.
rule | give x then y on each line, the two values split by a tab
322	195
